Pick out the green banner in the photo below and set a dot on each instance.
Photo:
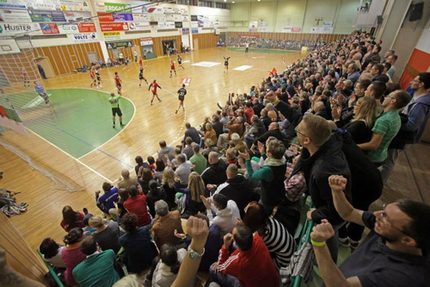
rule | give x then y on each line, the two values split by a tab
117	7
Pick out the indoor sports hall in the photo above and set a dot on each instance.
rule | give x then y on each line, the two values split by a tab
255	136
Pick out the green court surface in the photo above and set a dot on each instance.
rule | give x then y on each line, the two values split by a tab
79	121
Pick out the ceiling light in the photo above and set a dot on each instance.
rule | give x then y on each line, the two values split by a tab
225	0
258	0
233	2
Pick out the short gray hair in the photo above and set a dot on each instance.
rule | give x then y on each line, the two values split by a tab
161	208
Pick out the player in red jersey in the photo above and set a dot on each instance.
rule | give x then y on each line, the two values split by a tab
153	87
25	78
118	82
172	68
93	76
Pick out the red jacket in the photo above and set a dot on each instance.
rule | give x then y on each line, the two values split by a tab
137	205
253	267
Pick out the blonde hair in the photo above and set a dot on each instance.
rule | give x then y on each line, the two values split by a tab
168	177
96	221
317	128
196	186
368	110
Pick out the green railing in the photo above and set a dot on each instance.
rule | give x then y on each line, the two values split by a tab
52	271
302	235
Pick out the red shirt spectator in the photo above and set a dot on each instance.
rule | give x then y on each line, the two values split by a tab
253	268
136	204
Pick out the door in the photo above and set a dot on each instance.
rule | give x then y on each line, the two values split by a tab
92	57
195	44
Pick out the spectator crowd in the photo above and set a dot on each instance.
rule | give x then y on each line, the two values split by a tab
222	208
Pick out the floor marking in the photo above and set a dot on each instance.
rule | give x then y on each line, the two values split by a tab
242	68
205	64
34	102
129	122
71	156
186	61
186	81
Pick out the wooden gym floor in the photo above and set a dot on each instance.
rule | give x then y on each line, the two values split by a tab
150	124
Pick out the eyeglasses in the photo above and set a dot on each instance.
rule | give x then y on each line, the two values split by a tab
300	133
384	217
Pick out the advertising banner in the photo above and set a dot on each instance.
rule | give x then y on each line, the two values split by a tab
73	5
68	29
10	5
121	44
107	27
9	47
86	27
121	17
46	16
147	41
138	26
112	35
50	5
49	28
141	17
117	7
12	28
88	37
166	25
105	17
14	16
76	16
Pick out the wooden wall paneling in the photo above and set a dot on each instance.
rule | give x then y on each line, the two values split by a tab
66	57
88	49
18	253
78	52
95	50
82	54
99	50
70	52
157	46
51	57
80	48
59	59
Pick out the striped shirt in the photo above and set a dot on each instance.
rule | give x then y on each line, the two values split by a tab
280	243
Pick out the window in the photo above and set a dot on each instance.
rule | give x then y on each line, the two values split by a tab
206	3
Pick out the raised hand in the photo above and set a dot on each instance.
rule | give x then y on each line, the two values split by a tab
244	155
337	183
198	230
206	201
322	232
228	240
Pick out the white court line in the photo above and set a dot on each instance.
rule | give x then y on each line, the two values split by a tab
132	117
242	68
71	156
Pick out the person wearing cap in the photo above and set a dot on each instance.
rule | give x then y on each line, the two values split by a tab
165	224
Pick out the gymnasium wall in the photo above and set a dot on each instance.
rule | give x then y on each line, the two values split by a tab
66	58
11	65
299	15
408	37
287	36
419	61
206	40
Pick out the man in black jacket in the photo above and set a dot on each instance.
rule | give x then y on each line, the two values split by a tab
237	188
215	172
321	157
291	114
191	132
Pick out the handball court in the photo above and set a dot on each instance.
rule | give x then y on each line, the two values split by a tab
106	151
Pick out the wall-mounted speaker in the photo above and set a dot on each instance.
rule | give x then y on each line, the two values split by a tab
416	11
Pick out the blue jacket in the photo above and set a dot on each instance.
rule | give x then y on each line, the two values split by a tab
418	114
